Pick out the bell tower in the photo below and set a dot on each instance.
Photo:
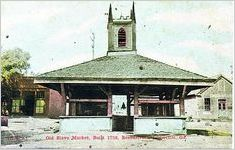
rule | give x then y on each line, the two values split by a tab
121	33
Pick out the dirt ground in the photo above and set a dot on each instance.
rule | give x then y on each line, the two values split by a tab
210	125
41	133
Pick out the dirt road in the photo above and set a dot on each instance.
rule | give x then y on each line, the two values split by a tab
39	133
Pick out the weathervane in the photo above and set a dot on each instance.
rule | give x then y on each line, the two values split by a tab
93	44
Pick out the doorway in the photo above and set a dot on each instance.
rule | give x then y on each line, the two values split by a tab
29	98
120	119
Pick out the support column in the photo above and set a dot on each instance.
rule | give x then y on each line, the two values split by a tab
171	106
128	106
136	95
163	110
67	109
108	93
182	108
62	92
110	102
72	109
128	121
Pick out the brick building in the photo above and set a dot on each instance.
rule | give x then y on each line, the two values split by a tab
36	100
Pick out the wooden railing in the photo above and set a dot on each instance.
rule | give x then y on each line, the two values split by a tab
88	100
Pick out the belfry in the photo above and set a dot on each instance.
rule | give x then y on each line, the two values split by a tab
121	33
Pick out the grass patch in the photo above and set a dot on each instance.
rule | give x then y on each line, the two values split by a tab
208	132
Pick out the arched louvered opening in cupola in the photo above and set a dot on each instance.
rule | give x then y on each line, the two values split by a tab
121	37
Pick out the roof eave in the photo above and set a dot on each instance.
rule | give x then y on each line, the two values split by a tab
191	82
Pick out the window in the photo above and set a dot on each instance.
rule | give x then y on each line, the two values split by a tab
40	94
40	103
222	104
17	105
121	37
207	103
91	109
157	109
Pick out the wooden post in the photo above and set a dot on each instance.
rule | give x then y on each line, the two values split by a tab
67	108
171	112
109	110
182	108
62	92
136	95
72	105
78	109
173	94
72	109
128	111
110	102
163	110
128	105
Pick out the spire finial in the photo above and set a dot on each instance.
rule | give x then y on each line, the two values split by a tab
133	12
110	19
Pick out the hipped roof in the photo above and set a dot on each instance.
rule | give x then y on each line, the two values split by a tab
123	67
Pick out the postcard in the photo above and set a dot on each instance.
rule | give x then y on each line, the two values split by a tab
117	74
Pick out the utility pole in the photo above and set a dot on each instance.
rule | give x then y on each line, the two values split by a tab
93	44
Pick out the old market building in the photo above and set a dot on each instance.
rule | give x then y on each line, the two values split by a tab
148	89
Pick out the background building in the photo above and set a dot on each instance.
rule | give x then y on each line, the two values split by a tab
212	102
36	100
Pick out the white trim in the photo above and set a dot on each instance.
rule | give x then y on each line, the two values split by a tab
67	109
114	53
206	112
127	82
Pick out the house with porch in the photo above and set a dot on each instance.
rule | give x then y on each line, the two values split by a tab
123	91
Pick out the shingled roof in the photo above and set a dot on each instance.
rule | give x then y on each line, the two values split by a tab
122	67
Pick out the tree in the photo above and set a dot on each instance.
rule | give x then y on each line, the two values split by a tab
14	64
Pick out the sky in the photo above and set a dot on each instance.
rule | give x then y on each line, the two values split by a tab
194	35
